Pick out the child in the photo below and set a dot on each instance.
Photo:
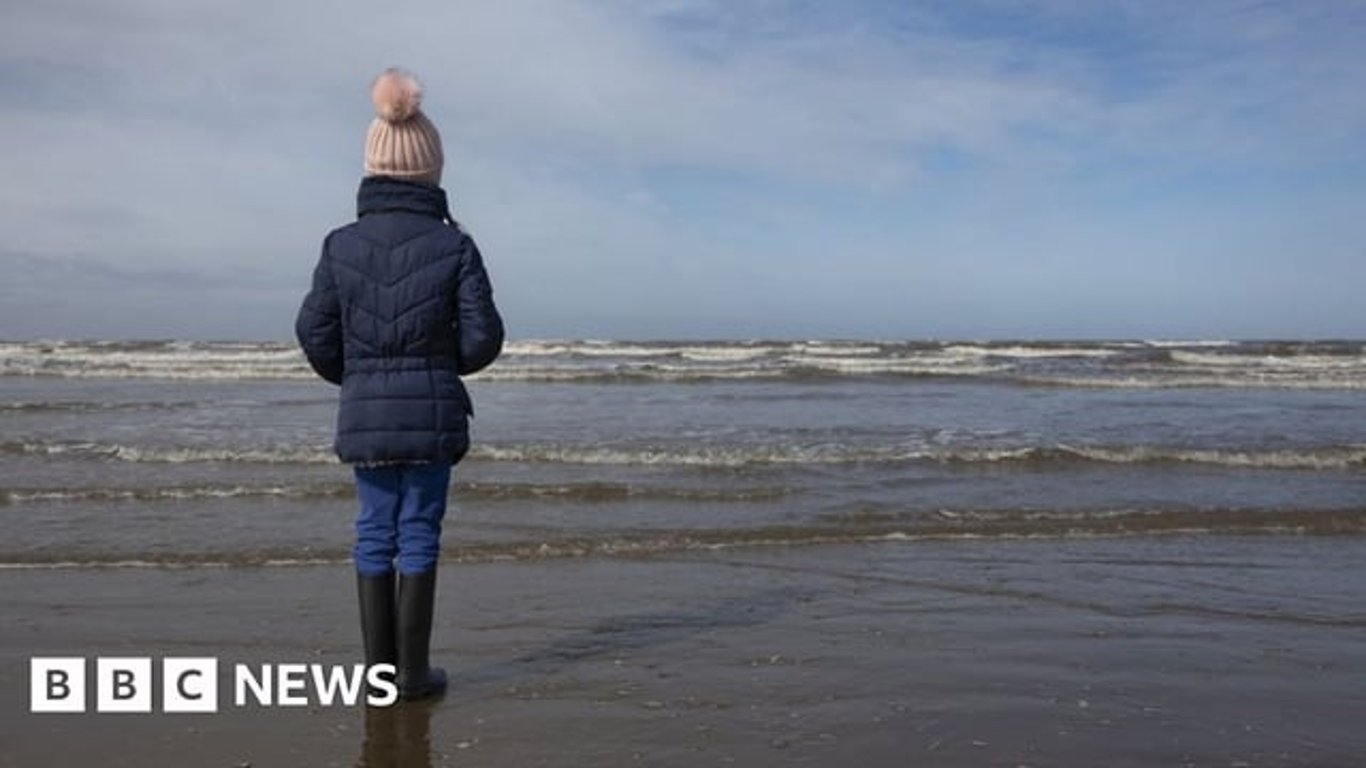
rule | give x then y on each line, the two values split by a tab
400	308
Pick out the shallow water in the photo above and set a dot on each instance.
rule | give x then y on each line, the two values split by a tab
218	453
1142	651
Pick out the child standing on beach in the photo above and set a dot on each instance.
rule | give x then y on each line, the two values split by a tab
400	309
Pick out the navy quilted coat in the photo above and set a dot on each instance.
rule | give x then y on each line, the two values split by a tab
400	308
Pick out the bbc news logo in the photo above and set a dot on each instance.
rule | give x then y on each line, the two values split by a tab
127	684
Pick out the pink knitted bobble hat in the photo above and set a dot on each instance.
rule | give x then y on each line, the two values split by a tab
401	141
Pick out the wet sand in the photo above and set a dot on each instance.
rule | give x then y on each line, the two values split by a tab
1130	651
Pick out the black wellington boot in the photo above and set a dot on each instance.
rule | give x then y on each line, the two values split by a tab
376	594
417	679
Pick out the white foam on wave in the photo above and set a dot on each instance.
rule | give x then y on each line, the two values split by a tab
1028	352
1335	458
838	349
1169	343
723	354
703	456
663	372
174	493
172	360
784	367
608	361
1275	362
1195	381
626	350
172	454
1349	457
585	349
1346	457
927	364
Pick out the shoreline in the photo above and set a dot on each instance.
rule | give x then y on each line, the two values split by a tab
1148	650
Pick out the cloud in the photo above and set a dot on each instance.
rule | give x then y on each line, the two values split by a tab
770	87
618	159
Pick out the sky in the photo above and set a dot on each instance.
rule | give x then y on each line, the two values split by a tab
704	168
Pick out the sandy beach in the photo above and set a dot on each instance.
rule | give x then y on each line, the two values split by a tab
1142	651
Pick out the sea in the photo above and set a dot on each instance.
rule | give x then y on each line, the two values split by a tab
176	454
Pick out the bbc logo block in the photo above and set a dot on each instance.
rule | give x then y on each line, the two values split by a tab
57	684
189	685
122	684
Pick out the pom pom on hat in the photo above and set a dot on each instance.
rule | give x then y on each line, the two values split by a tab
401	142
397	95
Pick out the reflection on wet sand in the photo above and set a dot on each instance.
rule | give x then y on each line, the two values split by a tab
398	736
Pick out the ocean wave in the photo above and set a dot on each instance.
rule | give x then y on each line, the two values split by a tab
590	348
695	376
905	528
592	492
85	406
1328	458
1192	380
839	349
789	367
186	493
587	492
1341	457
1032	352
168	359
1292	365
703	457
1300	362
921	365
169	454
1177	343
1347	457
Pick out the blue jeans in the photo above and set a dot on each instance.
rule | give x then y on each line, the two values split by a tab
401	508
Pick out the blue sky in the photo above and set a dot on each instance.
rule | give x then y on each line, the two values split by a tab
701	168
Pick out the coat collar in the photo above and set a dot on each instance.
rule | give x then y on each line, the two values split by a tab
384	193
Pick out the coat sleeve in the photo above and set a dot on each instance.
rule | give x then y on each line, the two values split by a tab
478	324
318	326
